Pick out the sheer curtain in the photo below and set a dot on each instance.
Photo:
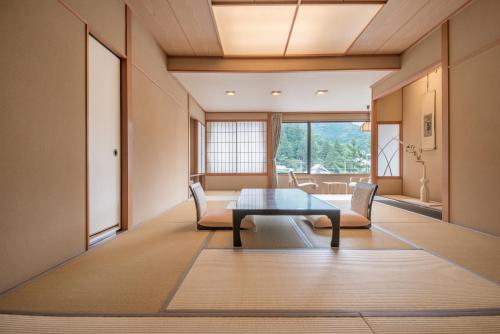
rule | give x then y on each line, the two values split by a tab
275	142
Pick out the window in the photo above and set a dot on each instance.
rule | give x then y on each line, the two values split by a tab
236	147
292	152
324	148
388	150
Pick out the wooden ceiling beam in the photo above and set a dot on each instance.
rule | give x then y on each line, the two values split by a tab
281	64
293	2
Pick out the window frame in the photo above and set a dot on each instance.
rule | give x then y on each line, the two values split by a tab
309	146
233	121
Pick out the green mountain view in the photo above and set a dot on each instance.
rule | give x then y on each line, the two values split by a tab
339	147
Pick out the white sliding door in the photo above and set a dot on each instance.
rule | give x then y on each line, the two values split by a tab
103	138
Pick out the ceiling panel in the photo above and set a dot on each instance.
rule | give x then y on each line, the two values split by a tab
159	18
347	90
188	28
181	27
424	21
195	18
330	28
248	30
387	22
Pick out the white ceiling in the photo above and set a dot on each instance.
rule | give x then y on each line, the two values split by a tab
347	90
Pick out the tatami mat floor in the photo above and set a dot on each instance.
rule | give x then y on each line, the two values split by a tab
333	280
165	266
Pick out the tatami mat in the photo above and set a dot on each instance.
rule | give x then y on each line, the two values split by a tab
351	238
192	325
134	273
330	280
271	232
476	251
222	195
443	325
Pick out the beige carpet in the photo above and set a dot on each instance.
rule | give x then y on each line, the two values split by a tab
473	250
271	232
351	238
443	325
192	325
134	273
317	279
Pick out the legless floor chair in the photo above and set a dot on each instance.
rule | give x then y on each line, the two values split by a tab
214	219
361	209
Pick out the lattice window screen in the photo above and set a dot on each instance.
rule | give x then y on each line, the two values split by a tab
236	147
388	150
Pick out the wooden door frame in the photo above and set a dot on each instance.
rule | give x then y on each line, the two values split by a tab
125	122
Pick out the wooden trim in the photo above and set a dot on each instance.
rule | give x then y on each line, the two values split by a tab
87	193
293	2
291	112
126	127
445	74
389	177
374	140
214	26
389	122
269	154
291	27
401	138
309	147
235	120
282	64
236	174
195	144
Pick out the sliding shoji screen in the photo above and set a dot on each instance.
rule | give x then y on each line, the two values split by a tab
236	147
388	150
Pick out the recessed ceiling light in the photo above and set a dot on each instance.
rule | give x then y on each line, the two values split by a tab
276	93
230	92
322	92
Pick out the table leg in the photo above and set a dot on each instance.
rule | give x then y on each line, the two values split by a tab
237	218
335	219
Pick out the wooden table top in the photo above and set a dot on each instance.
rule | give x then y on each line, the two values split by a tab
280	199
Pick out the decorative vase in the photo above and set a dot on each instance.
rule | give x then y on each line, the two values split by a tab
424	189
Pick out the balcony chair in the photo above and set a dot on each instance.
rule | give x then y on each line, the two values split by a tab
360	213
293	182
214	219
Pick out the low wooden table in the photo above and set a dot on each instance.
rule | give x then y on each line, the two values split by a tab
282	202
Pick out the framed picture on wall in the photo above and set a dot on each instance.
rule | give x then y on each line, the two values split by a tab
428	121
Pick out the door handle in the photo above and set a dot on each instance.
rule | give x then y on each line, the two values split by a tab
115	152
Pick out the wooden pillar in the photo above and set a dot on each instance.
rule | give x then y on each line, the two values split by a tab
445	70
126	127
